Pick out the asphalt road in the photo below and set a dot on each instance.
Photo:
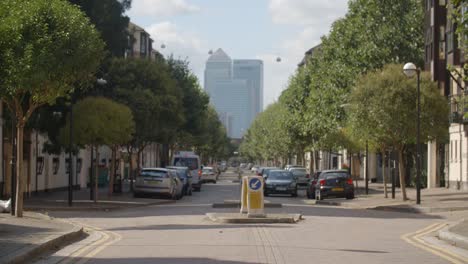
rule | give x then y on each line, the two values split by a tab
180	233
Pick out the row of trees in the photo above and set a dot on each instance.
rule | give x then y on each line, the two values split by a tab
52	52
352	90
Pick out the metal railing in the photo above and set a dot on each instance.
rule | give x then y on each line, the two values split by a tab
458	108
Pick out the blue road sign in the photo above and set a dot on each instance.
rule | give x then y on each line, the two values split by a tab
255	184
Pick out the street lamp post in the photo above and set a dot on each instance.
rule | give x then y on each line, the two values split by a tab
410	70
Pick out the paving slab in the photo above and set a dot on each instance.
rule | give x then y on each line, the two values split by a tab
24	239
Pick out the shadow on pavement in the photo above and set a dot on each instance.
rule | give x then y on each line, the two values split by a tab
146	260
15	237
189	227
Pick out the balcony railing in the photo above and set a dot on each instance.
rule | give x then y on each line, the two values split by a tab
459	108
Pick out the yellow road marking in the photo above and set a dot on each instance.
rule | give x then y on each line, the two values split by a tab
416	240
84	254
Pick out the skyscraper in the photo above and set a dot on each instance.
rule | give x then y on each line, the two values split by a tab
235	90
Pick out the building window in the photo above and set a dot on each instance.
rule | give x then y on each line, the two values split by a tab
442	3
456	150
143	43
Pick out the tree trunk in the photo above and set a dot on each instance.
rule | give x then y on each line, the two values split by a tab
401	168
96	178
19	168
112	171
384	176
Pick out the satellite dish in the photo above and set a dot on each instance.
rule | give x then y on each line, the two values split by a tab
163	46
210	52
278	59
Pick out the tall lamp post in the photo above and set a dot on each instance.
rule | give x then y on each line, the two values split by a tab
410	70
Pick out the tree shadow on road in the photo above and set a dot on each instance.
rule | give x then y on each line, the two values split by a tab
162	260
189	227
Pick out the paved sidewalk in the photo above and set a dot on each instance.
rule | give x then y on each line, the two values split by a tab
58	201
432	200
24	239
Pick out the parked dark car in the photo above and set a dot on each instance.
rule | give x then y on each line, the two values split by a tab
185	177
311	185
264	171
335	183
280	182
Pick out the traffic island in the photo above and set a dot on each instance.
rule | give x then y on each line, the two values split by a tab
237	204
238	218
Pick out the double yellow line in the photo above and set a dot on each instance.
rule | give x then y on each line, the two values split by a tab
416	240
85	253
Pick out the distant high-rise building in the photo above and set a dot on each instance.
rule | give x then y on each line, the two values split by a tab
235	89
252	72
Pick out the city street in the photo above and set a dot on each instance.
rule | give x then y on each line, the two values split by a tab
180	233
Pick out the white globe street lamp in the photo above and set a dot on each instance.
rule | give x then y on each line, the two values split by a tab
410	70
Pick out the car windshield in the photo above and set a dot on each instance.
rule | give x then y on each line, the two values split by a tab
328	175
207	170
284	175
191	163
153	173
299	172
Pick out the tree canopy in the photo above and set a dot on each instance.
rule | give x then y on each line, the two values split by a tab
99	121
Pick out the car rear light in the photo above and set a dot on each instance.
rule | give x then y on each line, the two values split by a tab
199	173
322	182
350	181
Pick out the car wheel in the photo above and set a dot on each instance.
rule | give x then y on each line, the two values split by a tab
350	196
294	194
265	194
214	182
136	195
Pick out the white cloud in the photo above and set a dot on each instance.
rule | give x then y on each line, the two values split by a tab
161	8
306	12
314	19
180	43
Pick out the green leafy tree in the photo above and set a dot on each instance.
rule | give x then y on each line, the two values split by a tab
367	38
47	49
110	20
194	105
99	121
383	111
152	94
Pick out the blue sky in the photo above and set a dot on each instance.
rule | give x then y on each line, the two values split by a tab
261	29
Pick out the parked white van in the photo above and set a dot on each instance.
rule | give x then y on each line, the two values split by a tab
192	161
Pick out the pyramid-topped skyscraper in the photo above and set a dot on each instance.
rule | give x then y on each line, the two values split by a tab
235	88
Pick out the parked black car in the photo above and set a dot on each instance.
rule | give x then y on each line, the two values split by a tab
280	182
336	183
311	185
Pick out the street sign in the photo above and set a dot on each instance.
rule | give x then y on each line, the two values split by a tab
252	196
255	184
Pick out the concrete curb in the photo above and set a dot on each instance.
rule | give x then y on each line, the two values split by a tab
242	219
401	208
96	208
453	238
31	252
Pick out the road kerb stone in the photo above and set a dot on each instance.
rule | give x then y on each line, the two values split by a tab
32	252
237	218
452	238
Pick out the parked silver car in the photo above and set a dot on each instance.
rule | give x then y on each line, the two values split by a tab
158	181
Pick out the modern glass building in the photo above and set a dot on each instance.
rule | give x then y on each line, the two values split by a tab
235	89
